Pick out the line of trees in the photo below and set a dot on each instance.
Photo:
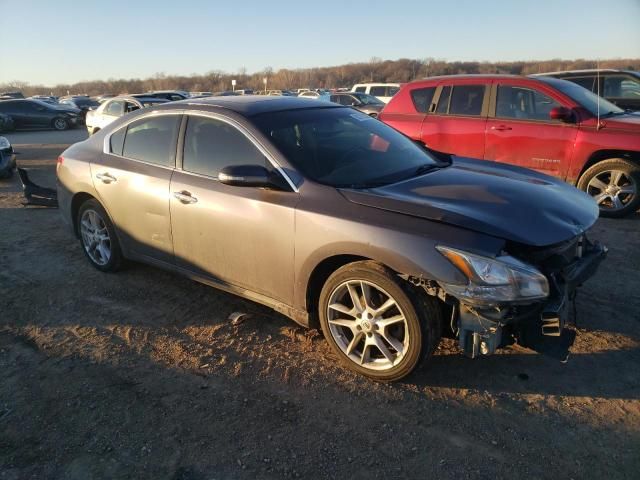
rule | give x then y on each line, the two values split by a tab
375	70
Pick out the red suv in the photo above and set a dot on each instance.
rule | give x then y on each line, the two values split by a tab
545	124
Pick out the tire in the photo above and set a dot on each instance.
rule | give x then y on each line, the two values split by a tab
615	185
60	123
98	237
409	330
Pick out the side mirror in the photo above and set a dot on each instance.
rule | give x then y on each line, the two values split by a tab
563	114
249	176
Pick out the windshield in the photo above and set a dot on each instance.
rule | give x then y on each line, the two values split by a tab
85	102
343	148
584	97
367	99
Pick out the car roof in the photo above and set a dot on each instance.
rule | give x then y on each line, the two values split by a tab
249	105
586	70
139	99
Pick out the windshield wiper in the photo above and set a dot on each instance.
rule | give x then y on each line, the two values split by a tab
427	167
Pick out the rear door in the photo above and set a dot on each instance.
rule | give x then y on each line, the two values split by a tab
520	131
132	180
457	122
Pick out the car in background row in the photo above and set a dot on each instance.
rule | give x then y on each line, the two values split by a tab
7	158
34	114
114	108
375	240
620	87
383	91
81	102
200	94
45	98
103	97
363	102
9	95
541	123
315	95
172	95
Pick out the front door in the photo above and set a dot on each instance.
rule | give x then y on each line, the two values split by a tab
522	133
239	236
133	180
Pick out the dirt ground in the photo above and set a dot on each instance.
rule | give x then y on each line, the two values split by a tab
141	375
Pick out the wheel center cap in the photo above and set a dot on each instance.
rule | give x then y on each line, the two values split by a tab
366	325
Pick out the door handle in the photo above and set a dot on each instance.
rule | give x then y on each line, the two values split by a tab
185	197
106	177
500	128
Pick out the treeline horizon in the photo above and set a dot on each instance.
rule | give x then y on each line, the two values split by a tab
375	70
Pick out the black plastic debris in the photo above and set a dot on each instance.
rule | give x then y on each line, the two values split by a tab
35	194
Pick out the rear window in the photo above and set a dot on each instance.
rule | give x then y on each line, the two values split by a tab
153	140
467	100
422	98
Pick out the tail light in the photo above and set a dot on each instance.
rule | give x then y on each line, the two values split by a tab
59	162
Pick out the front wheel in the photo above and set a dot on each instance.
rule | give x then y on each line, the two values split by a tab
375	324
614	185
60	123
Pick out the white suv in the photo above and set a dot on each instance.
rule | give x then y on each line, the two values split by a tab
384	91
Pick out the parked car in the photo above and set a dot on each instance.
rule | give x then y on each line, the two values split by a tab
82	103
384	91
45	98
7	158
6	123
225	93
315	95
200	94
281	93
114	108
392	244
103	97
364	102
172	95
542	123
10	95
32	114
620	87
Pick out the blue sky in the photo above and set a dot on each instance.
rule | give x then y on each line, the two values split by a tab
59	41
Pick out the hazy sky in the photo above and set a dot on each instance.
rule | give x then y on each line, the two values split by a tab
59	41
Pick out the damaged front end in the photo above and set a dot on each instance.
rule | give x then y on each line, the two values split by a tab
522	296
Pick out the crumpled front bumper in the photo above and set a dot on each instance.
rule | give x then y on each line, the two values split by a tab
540	326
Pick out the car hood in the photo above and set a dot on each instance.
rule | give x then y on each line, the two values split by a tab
628	121
504	201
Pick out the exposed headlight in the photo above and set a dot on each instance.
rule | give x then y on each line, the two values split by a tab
4	143
494	280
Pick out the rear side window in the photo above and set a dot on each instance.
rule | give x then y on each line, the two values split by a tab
466	100
422	98
586	82
443	101
361	89
153	140
379	91
116	142
621	86
211	144
115	108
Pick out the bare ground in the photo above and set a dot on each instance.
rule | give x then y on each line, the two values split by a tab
142	375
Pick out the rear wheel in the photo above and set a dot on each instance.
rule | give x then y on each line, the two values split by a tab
375	324
614	184
98	237
60	123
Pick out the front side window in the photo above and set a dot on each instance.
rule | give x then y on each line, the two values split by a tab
422	98
342	147
379	91
466	100
361	89
211	144
114	108
585	82
130	107
153	140
523	103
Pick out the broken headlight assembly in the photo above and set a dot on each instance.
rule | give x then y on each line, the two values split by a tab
491	281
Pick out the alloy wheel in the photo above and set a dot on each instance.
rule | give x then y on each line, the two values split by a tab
95	237
368	324
612	189
60	124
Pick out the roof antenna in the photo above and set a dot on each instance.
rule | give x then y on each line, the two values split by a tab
598	126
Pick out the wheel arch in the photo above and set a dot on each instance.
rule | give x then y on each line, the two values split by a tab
601	155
